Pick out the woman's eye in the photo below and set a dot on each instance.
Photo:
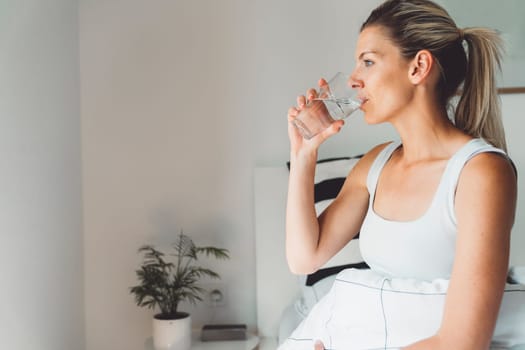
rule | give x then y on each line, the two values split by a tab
368	63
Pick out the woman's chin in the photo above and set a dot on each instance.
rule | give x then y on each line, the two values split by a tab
371	120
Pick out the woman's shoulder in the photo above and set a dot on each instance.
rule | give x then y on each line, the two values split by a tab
489	164
486	190
493	172
484	158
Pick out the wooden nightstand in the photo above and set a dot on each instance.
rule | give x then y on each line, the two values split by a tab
196	344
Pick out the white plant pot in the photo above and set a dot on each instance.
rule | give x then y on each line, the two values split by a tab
172	334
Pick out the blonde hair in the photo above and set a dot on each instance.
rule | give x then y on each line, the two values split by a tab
468	60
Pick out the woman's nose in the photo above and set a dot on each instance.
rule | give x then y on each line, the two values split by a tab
354	81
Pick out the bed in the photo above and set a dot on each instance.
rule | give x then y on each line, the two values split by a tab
283	299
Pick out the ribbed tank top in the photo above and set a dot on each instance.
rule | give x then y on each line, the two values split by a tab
423	248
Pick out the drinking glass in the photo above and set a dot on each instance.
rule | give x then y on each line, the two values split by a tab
336	100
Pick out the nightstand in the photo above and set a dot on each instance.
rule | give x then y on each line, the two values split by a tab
196	344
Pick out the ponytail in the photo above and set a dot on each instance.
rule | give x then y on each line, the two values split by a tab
478	112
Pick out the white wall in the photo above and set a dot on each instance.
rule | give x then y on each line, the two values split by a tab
180	100
167	132
41	294
513	107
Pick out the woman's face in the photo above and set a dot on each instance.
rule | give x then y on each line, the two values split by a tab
381	75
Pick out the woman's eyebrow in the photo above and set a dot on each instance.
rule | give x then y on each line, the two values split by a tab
367	52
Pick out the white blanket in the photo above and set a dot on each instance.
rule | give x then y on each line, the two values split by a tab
365	310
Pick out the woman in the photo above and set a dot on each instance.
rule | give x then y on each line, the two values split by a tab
444	179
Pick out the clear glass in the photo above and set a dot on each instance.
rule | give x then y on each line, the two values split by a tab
335	101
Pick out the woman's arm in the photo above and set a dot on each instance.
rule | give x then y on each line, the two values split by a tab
485	205
302	229
310	241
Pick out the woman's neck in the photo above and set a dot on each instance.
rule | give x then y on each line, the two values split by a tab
427	133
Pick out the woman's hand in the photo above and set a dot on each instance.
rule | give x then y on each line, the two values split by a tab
318	345
297	142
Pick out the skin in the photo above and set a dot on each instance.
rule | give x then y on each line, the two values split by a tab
402	92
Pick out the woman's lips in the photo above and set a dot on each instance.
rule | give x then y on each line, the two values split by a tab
363	100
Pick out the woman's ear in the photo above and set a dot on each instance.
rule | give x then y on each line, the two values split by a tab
420	67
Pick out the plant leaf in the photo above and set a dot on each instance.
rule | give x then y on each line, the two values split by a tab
164	283
218	253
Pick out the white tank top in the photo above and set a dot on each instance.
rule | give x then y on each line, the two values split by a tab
423	248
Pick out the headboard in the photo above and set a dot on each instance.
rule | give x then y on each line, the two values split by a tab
276	285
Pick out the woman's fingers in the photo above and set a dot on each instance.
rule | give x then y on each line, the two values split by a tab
301	101
311	94
323	87
293	132
331	130
335	127
318	345
292	113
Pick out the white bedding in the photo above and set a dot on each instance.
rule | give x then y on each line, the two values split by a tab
365	310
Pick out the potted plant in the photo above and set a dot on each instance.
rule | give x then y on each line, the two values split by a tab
165	282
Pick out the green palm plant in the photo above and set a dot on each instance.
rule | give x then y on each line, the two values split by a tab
165	283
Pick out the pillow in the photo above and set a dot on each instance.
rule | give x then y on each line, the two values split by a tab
516	275
330	175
